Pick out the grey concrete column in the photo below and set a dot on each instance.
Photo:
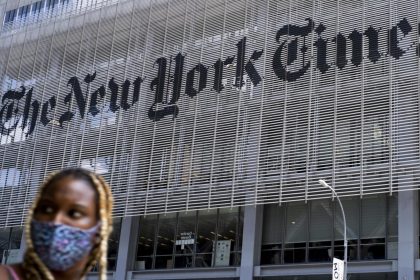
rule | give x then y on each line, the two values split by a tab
251	242
127	246
407	234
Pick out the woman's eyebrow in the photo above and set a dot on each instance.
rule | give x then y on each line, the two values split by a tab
81	206
46	200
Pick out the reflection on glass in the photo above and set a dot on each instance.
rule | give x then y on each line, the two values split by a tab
10	239
227	237
165	241
205	237
185	239
113	243
314	231
192	239
146	242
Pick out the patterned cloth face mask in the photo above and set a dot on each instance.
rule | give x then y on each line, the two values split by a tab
61	246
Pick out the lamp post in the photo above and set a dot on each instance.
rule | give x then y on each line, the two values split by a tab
323	183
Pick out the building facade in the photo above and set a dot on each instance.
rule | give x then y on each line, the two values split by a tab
213	121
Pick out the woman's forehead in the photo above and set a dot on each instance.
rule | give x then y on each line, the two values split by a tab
70	187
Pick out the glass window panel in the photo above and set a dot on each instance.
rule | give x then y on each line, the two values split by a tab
37	6
4	242
352	249
295	255
51	3
10	16
16	237
163	262
351	209
320	251
296	222
186	233
372	249
271	254
206	234
147	234
113	243
373	217
228	228
203	260
321	220
273	224
166	235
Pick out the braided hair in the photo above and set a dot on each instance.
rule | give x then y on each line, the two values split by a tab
33	267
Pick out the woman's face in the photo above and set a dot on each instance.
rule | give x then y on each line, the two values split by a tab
68	201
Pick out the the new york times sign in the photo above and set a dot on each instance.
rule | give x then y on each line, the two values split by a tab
292	49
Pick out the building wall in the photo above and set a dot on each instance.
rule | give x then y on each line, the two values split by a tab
216	104
206	105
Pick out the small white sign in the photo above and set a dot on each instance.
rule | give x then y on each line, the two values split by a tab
187	238
222	253
338	269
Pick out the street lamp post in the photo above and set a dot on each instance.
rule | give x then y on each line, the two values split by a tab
323	183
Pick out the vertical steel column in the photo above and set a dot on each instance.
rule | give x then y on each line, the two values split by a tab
251	243
127	247
408	232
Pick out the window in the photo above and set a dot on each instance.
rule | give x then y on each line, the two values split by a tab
51	4
37	7
10	239
193	239
24	11
313	232
113	243
100	165
9	177
10	16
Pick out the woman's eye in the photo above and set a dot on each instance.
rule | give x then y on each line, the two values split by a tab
47	210
75	214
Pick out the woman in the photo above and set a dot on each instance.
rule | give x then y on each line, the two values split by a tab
67	228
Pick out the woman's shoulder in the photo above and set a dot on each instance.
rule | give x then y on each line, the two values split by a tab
5	272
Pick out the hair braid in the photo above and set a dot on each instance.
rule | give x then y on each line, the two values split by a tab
105	207
33	266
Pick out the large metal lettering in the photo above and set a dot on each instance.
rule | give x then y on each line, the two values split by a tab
291	61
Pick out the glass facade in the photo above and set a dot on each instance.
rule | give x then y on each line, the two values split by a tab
113	243
10	239
300	232
190	239
366	276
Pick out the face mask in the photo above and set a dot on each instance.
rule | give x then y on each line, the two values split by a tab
60	246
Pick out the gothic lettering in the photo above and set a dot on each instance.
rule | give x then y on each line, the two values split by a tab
279	68
218	73
100	92
341	50
356	44
77	91
46	107
113	86
202	82
26	111
405	27
124	96
321	45
9	110
373	47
